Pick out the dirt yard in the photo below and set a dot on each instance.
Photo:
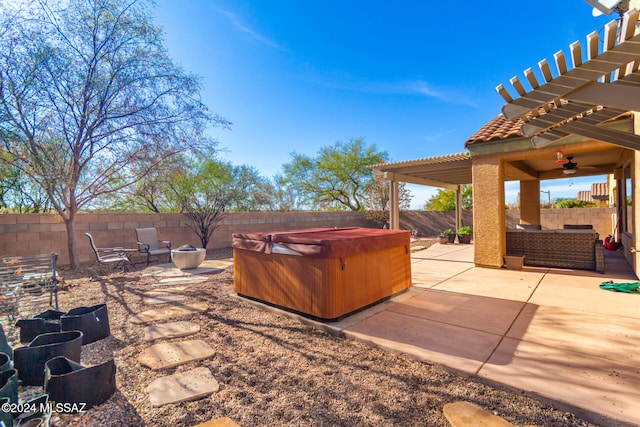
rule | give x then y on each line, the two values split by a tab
273	370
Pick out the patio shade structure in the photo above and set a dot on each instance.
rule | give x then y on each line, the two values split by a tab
579	100
585	108
449	171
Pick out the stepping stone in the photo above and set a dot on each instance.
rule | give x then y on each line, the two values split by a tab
187	280
467	414
170	330
164	291
163	299
216	263
170	312
168	355
157	269
219	422
182	387
202	270
174	272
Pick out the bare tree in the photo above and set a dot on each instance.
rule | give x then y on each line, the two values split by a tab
378	197
90	100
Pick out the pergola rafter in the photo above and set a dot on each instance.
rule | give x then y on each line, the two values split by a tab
580	99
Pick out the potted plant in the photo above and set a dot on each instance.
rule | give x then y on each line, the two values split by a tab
464	234
451	235
443	239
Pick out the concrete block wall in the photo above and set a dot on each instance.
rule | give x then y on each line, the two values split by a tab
430	224
30	234
554	219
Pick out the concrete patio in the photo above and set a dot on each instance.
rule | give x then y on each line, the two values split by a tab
551	333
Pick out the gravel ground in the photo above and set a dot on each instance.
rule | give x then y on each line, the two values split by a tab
273	370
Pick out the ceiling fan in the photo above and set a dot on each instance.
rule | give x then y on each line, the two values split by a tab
569	167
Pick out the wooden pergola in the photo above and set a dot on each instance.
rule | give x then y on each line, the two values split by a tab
578	100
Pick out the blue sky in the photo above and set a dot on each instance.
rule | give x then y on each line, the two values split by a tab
414	78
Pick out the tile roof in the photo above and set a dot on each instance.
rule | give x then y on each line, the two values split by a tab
497	129
584	195
600	189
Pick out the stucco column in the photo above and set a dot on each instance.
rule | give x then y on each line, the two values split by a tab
489	237
530	202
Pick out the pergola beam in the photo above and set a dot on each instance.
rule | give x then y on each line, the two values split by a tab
615	137
620	96
391	176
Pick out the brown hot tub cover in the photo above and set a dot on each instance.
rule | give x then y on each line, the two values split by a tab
323	242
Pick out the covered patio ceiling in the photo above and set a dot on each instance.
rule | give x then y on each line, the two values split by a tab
593	158
449	171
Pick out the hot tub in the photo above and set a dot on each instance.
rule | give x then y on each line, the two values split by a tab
325	273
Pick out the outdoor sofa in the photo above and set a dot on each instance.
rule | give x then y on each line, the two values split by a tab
574	247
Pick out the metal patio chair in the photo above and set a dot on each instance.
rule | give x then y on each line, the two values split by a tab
149	244
118	257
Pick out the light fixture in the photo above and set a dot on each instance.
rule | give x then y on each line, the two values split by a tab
559	156
569	171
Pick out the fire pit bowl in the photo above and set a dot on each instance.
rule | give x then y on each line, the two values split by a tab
187	257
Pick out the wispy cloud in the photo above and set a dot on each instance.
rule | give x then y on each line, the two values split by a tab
420	88
438	135
450	96
240	26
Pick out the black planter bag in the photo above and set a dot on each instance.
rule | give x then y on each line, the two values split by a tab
37	417
70	382
43	323
93	322
5	362
30	360
9	385
4	344
5	417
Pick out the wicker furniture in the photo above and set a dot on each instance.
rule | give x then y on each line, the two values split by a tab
323	273
577	249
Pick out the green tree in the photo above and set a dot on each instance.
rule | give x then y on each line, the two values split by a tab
207	189
152	193
204	192
253	191
445	199
19	193
90	100
572	203
337	178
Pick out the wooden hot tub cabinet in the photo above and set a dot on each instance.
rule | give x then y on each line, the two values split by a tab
325	273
